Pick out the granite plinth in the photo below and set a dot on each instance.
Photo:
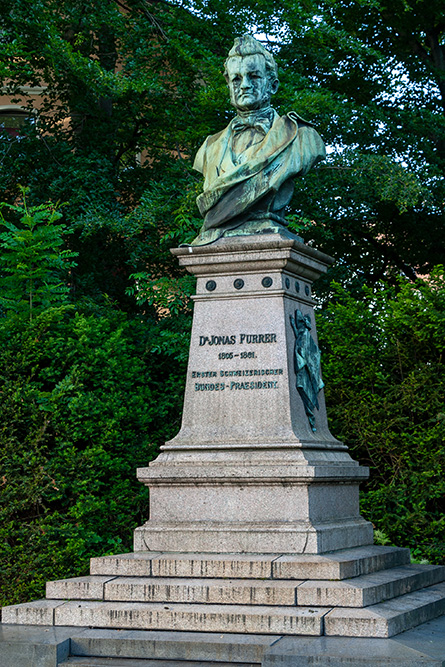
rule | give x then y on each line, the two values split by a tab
247	537
240	390
254	517
248	472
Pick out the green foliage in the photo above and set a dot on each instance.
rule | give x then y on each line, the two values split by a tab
148	81
372	80
87	394
33	262
385	385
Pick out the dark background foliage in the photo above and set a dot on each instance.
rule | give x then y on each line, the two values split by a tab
383	368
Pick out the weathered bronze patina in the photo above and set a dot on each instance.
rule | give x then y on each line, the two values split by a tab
250	166
307	365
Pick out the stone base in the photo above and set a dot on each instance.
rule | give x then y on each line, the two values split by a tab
291	537
251	470
261	502
268	499
267	594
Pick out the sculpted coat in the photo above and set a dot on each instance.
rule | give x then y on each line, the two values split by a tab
262	182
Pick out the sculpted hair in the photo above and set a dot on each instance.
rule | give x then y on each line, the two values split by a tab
249	46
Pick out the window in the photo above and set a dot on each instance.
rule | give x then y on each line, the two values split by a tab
12	119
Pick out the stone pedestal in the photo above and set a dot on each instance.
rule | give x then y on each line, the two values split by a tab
245	503
247	472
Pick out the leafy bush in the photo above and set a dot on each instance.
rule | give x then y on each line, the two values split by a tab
84	402
383	365
87	394
33	262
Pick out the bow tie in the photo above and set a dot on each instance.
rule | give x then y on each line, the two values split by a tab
260	122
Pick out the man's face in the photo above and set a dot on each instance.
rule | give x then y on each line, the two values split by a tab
249	85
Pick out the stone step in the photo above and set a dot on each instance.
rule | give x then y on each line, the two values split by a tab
214	566
175	645
380	620
337	565
353	652
77	588
387	618
48	646
196	591
203	591
360	591
369	589
147	662
160	616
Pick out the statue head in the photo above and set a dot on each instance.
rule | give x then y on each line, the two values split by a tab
251	74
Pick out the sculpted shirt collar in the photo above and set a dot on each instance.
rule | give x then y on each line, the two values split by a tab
260	120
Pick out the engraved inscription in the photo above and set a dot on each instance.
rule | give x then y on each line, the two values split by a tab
236	386
252	371
241	355
260	377
257	338
254	385
246	372
213	386
242	339
217	340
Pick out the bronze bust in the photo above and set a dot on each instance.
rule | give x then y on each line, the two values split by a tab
250	167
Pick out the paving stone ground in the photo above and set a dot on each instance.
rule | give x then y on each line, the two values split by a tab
40	646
